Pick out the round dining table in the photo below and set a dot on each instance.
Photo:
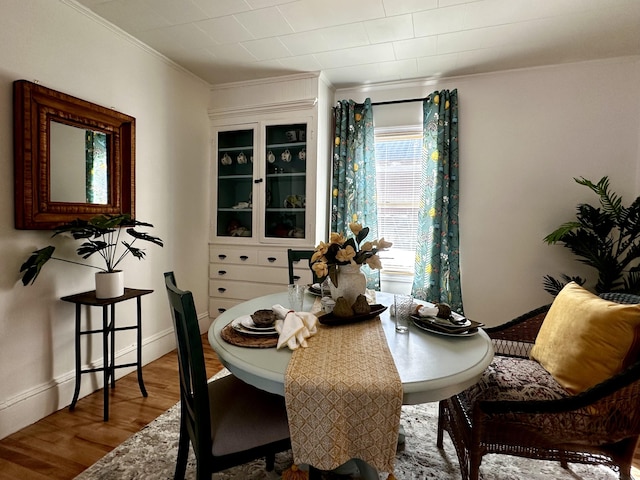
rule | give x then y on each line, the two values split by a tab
431	366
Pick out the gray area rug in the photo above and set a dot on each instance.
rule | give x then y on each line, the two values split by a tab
151	454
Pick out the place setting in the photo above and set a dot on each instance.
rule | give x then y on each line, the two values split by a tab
441	320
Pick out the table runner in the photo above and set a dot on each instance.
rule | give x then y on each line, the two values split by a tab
343	396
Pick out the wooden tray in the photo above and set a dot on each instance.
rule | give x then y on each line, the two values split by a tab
331	319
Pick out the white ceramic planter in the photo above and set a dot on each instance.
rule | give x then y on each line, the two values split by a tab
109	284
351	283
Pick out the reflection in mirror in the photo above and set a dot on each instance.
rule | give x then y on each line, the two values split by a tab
78	162
72	158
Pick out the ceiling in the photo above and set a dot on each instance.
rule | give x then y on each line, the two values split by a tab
357	42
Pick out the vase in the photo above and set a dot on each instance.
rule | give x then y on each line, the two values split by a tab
109	284
351	283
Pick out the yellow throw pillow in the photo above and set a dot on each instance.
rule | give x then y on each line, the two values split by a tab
585	339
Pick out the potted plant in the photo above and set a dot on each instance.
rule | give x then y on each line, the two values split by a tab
606	238
101	235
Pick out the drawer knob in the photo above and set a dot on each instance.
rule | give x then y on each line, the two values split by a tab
222	272
222	310
244	258
222	257
272	259
296	278
222	290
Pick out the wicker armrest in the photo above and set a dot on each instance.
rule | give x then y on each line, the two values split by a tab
516	337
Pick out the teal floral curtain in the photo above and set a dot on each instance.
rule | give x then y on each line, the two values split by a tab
353	197
437	267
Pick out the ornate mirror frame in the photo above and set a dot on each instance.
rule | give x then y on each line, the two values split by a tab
35	107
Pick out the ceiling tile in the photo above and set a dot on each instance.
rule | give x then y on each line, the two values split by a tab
131	16
266	22
394	7
305	15
356	56
266	48
235	52
302	63
415	48
176	13
325	39
389	29
441	20
222	8
225	30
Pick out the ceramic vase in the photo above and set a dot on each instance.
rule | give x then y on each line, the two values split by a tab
351	283
109	284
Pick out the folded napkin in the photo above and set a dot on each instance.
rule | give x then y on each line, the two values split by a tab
424	311
294	327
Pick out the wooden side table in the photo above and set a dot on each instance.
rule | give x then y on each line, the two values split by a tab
108	339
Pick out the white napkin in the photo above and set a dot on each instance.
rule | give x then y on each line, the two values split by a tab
424	311
294	327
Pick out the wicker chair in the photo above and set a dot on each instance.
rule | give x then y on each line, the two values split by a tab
598	426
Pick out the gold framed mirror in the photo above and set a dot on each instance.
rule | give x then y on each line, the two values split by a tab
72	158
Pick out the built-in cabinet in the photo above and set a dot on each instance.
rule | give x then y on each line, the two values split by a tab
270	185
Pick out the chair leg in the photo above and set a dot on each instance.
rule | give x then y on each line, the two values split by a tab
270	460
441	414
183	451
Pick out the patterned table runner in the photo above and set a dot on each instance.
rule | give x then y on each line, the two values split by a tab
343	396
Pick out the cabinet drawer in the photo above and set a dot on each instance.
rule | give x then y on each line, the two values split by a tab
242	290
225	272
220	305
273	258
234	255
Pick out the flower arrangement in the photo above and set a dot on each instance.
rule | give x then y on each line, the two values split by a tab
344	251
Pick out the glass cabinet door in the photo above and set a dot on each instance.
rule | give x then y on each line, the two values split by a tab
235	183
286	177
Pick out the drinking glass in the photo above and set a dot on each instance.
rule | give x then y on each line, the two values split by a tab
296	297
403	305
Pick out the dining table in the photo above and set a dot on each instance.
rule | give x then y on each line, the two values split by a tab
432	366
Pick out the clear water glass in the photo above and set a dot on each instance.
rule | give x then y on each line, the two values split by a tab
403	305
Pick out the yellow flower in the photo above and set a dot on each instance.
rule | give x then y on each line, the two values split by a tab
382	244
432	212
374	262
367	247
354	217
446	105
337	141
355	167
355	227
429	268
436	99
337	238
358	117
345	254
320	268
435	155
335	192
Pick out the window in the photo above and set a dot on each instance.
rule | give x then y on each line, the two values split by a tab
398	173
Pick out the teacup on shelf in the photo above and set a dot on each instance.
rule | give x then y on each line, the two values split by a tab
242	159
302	155
286	156
226	159
271	157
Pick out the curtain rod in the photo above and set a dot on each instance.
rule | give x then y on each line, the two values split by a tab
393	102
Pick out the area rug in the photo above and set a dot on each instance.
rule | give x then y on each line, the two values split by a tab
151	454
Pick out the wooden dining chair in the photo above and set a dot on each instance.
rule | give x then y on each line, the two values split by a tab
227	421
294	256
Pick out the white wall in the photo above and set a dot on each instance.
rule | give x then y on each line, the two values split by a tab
523	136
62	47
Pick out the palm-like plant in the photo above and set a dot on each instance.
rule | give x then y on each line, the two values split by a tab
606	238
102	236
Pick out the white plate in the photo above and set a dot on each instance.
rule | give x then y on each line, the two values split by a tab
447	323
238	326
471	333
247	322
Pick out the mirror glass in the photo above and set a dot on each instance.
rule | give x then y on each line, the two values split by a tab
78	162
72	158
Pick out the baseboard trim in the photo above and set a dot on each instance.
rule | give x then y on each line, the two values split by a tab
35	403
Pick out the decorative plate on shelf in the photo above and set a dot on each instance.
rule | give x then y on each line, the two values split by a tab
331	319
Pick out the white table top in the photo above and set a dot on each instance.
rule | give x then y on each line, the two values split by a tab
431	366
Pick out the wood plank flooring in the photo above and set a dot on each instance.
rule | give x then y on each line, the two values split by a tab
65	443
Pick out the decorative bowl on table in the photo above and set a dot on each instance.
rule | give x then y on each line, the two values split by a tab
263	318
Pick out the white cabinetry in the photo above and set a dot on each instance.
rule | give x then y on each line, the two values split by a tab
269	183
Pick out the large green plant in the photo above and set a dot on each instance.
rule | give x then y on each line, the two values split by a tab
101	235
606	238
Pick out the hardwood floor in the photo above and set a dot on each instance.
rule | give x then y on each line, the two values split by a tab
65	443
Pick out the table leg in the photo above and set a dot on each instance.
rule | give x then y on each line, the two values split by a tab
112	368
105	360
139	349
76	391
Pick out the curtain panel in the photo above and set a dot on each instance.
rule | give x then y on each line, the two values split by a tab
437	266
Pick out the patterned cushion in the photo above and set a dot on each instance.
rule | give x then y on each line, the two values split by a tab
509	378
